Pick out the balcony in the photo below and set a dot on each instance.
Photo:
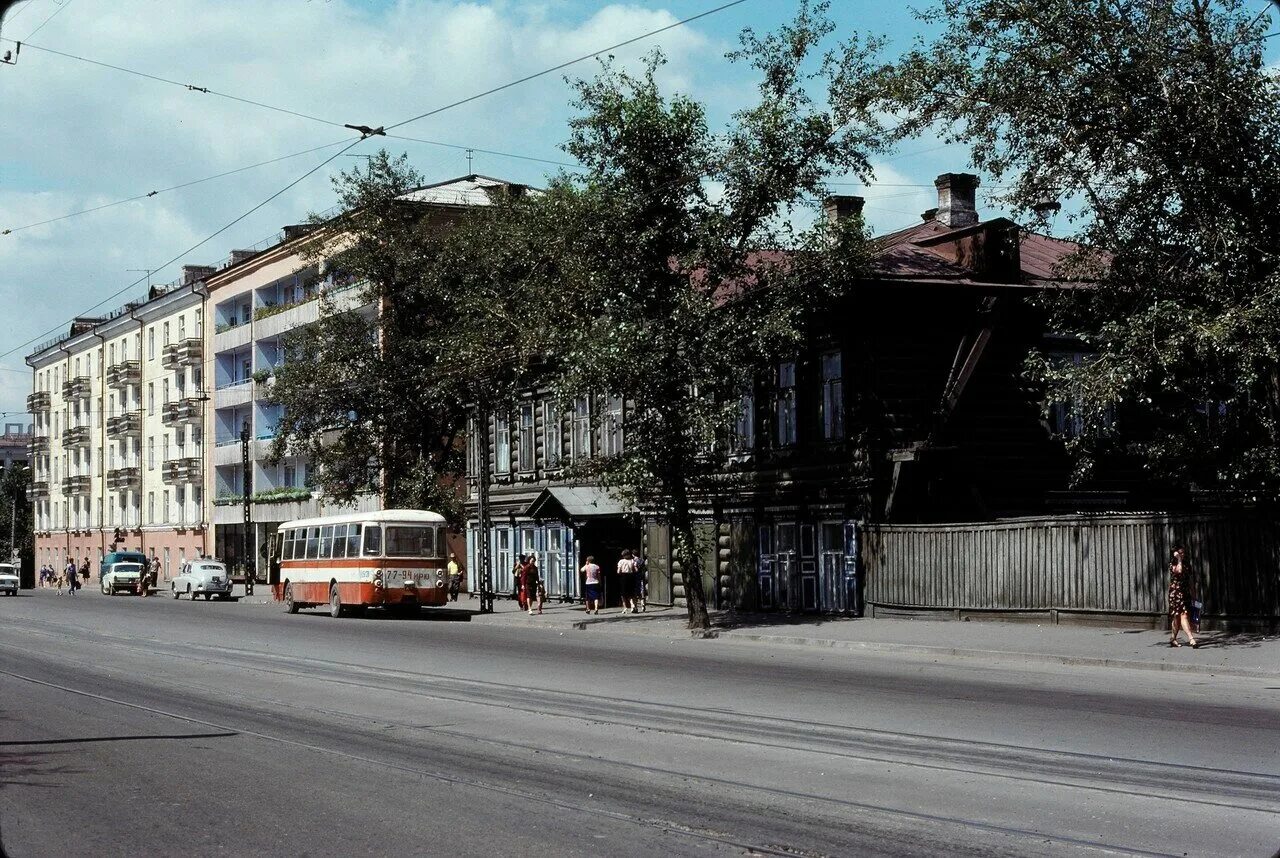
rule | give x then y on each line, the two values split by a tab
183	353
77	485
39	490
38	401
77	436
185	470
185	410
126	477
77	388
124	374
38	444
124	425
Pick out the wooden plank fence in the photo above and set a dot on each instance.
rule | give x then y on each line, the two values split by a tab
1110	564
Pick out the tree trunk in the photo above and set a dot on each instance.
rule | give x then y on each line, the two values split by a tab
684	544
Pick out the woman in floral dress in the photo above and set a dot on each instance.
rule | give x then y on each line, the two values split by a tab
1179	575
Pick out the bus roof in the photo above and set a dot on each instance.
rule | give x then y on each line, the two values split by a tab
386	516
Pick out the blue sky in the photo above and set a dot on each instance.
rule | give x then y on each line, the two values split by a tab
78	135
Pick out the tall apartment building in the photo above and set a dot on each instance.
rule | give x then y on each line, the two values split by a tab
118	443
254	302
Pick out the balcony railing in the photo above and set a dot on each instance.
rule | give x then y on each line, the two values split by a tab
184	470
186	410
77	436
183	352
38	444
123	374
126	477
77	388
39	490
76	485
38	401
124	425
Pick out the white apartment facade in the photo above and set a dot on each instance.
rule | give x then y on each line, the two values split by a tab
117	450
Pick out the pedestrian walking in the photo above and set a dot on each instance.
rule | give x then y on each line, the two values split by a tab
532	583
455	577
517	589
627	581
642	580
60	578
591	579
71	575
84	571
1179	573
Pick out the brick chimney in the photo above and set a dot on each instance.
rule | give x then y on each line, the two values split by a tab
238	256
839	207
192	273
957	199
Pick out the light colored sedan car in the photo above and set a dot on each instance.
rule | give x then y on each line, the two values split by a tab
8	579
121	577
206	578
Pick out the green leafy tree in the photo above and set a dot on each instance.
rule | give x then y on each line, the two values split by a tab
15	514
675	297
377	396
1158	126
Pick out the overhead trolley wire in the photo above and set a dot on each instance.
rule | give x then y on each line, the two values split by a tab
53	15
159	191
564	65
193	247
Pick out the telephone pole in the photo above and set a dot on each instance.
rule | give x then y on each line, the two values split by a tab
247	483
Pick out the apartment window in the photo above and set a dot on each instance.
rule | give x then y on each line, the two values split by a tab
166	391
111	353
502	444
613	427
151	399
165	458
167	508
151	453
166	333
151	343
199	325
151	507
785	404
580	447
197	379
180	497
246	310
246	369
77	375
832	397
290	479
182	328
526	437
551	434
197	499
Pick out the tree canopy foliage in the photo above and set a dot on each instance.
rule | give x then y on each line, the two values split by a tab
1157	124
652	275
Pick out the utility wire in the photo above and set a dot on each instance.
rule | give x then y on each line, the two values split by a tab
188	86
564	65
193	247
460	147
167	190
50	18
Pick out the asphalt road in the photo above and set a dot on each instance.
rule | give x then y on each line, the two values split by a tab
154	727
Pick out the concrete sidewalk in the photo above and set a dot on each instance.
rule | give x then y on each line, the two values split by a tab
1249	655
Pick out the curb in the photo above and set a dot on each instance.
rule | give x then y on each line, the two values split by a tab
959	652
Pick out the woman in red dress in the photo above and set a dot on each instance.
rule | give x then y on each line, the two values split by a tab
1179	575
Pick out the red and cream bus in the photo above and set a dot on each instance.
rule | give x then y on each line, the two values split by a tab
393	559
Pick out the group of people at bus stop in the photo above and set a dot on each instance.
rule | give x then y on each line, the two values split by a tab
632	584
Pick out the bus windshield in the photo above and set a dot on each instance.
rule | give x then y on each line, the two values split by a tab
410	541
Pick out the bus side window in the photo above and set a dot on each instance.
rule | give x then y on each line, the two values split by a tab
326	542
372	541
353	541
286	549
313	542
440	543
339	540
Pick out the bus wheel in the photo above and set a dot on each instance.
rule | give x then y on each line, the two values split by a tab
335	602
290	606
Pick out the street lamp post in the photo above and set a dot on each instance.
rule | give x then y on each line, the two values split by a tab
247	483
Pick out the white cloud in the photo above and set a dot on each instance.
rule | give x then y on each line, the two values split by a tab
79	135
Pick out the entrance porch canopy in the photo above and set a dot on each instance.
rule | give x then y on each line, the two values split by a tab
573	503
